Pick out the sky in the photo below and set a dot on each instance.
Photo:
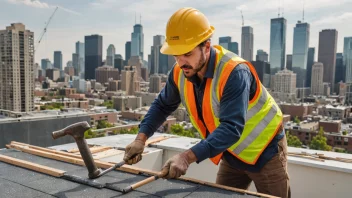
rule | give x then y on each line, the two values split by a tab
114	20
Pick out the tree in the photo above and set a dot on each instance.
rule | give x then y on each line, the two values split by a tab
43	98
108	104
319	142
296	120
293	140
178	129
344	132
102	124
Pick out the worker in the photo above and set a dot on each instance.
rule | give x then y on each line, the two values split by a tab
238	120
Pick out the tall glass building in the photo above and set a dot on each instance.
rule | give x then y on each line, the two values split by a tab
137	44
58	60
300	52
347	58
310	62
277	44
93	55
226	43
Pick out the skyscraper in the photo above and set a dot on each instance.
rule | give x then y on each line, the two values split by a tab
137	38
277	44
327	55
340	72
300	52
233	47
46	64
17	65
81	57
262	55
157	60
226	43
75	63
347	58
93	55
110	55
263	70
289	62
58	60
310	62
317	87
127	51
247	43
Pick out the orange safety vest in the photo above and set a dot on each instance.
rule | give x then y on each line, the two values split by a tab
263	119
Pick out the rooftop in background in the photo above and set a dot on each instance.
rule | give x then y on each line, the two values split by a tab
6	115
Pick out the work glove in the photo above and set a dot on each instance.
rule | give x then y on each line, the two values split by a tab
175	167
133	153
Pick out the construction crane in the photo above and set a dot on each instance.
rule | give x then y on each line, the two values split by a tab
242	18
44	30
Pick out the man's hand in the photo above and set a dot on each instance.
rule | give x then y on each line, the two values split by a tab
133	153
177	165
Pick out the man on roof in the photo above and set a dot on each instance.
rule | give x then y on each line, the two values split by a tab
238	120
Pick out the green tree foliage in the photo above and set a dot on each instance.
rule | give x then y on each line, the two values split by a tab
344	132
52	106
133	130
108	104
293	140
178	129
319	142
296	120
102	124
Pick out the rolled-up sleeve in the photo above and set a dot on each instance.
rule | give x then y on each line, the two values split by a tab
167	102
233	109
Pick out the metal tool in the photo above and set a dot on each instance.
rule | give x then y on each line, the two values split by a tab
118	165
77	132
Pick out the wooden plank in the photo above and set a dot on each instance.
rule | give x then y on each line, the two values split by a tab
98	149
32	166
238	190
46	149
157	139
71	160
94	149
107	153
78	155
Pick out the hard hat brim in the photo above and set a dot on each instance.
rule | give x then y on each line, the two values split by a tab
183	49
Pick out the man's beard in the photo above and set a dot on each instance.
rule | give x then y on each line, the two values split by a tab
200	66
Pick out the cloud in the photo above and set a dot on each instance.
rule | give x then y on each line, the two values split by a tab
31	3
334	19
39	4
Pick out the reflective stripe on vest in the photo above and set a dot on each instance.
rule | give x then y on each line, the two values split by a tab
263	116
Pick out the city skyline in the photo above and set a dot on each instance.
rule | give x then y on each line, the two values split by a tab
79	21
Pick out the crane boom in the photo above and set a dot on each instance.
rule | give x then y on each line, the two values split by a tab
45	28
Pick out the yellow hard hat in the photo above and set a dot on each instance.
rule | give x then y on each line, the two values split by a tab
185	30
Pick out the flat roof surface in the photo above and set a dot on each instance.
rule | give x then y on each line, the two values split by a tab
20	182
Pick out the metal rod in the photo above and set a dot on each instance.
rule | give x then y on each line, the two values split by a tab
118	165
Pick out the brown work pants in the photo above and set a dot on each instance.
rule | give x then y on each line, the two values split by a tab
272	179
